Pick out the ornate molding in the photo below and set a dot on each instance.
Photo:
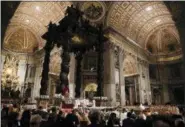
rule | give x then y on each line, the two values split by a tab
94	11
36	18
116	57
123	17
126	45
143	62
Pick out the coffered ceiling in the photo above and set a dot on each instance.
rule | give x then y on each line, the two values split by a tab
149	24
141	20
33	17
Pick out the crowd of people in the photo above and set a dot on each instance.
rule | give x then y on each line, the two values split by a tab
14	116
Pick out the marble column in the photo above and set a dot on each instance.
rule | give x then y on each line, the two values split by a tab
164	82
144	84
141	83
109	73
22	73
121	78
149	94
181	29
165	93
37	80
2	62
28	72
136	89
52	89
72	76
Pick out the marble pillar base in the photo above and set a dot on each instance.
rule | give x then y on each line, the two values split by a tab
122	97
72	90
110	93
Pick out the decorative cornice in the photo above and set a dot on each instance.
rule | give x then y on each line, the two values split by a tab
118	40
27	57
128	53
165	59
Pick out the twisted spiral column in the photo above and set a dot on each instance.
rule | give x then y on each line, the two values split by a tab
79	58
44	80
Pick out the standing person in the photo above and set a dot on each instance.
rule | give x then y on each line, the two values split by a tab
113	120
44	121
4	116
142	115
95	119
25	120
123	115
140	122
132	111
84	120
35	120
52	116
60	121
13	116
129	122
72	119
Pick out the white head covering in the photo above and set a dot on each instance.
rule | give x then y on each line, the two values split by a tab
141	107
44	109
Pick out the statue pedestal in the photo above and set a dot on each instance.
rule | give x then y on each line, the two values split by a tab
43	101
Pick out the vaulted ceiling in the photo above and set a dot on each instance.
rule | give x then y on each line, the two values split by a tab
21	39
141	21
149	24
32	18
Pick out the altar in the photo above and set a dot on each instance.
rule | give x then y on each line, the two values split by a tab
84	103
76	103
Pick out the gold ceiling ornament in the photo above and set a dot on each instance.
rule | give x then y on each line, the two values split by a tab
9	76
170	58
94	11
77	40
21	40
35	16
137	20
